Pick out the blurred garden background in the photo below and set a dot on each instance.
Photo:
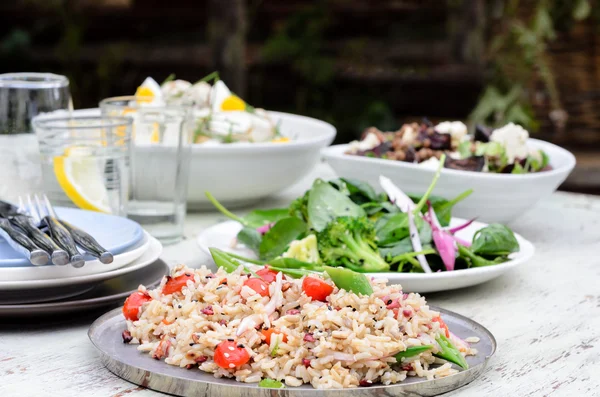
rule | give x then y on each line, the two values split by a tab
353	63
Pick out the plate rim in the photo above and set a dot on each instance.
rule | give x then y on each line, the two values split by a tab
526	252
77	303
98	277
107	357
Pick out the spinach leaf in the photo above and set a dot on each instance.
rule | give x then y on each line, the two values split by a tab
391	228
325	203
474	260
271	384
360	192
276	240
494	240
259	218
250	237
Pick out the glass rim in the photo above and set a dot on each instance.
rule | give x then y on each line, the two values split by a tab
33	80
109	102
102	122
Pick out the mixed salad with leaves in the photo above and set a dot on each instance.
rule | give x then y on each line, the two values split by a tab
221	116
345	223
501	150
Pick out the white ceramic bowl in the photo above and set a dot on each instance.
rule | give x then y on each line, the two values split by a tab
495	198
243	173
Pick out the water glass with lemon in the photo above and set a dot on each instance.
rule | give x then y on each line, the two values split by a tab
85	161
160	155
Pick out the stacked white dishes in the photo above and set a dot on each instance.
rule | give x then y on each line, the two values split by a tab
26	289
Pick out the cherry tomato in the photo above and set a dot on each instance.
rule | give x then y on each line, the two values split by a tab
228	355
442	325
258	285
317	289
268	332
267	274
131	307
175	284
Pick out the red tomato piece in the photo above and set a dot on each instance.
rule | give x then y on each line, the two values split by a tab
229	355
258	285
442	325
269	332
175	284
131	307
267	274
317	289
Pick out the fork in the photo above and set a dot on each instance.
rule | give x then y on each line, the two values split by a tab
81	238
58	232
27	220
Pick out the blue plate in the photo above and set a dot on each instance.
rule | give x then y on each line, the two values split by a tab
114	233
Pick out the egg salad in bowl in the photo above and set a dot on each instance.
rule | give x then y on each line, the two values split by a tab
221	116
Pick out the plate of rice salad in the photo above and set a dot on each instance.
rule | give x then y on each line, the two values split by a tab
245	326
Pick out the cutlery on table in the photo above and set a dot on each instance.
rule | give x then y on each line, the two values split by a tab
28	223
58	232
22	244
82	238
88	243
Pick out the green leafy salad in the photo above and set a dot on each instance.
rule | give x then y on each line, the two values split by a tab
345	223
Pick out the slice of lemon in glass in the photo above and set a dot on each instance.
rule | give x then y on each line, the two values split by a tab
82	180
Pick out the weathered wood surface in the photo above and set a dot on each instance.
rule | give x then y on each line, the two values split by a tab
545	316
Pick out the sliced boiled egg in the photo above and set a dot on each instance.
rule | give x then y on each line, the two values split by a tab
149	92
223	100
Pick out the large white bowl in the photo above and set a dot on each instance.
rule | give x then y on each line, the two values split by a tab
495	198
243	173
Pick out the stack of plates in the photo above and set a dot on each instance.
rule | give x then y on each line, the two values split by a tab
31	290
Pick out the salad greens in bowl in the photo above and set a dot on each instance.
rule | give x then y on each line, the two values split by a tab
346	223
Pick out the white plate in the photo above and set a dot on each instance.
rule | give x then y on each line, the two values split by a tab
223	235
91	267
152	253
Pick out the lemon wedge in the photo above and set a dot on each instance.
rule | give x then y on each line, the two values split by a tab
82	180
283	139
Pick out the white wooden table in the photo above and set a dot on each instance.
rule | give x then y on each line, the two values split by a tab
545	316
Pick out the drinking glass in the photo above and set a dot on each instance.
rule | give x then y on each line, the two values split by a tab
159	168
22	97
85	161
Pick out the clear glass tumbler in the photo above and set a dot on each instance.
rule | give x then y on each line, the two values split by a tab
22	97
85	161
159	168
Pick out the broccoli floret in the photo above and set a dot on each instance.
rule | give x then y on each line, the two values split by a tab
304	250
351	242
299	207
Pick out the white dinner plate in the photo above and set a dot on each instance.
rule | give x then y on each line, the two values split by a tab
222	236
90	267
152	253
